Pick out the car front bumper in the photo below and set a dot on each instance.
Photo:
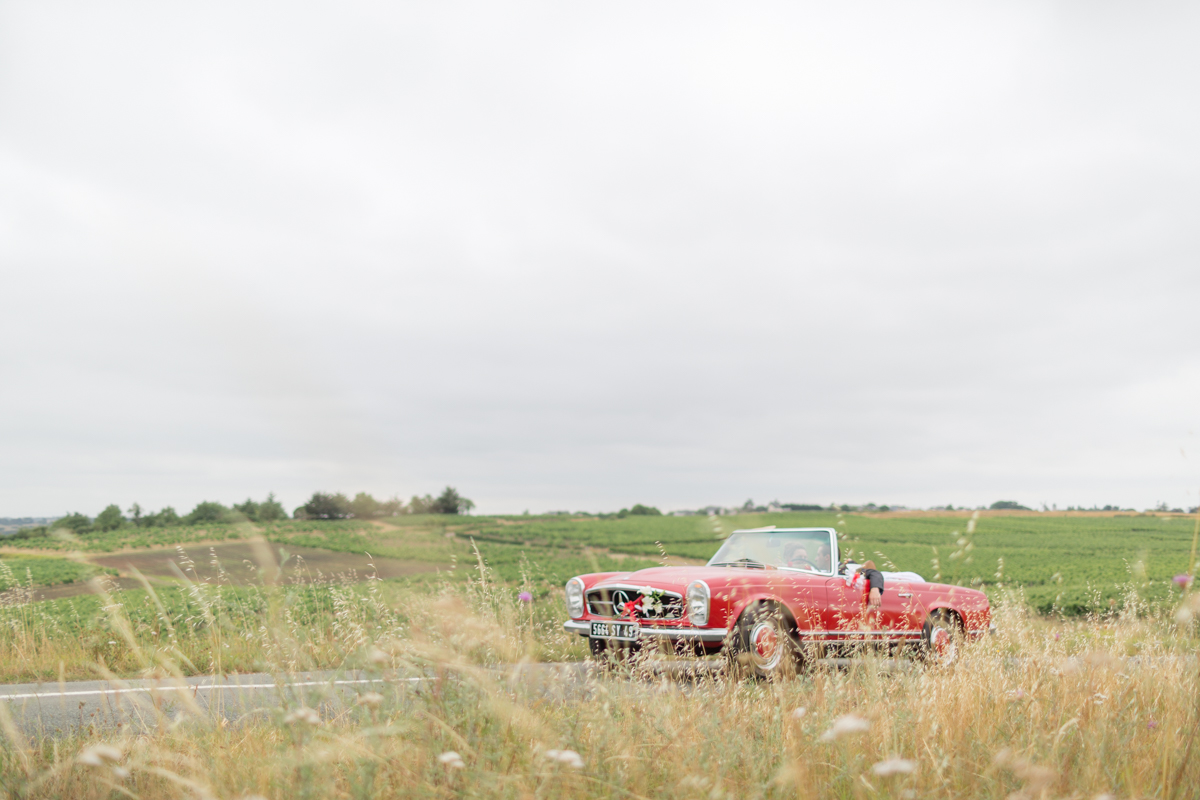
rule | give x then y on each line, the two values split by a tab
584	628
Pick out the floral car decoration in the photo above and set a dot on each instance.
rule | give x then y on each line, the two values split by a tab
769	597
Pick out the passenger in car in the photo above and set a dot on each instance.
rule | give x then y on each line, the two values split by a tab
823	558
874	579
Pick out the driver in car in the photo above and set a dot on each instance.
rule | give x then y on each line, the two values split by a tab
795	555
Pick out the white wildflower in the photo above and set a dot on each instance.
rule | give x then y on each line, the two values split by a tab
303	716
370	700
845	726
894	766
566	757
98	755
451	760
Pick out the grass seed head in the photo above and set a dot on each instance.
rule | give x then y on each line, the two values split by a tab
303	716
99	755
567	758
370	700
847	725
894	766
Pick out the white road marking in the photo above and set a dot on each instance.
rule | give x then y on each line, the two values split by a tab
194	687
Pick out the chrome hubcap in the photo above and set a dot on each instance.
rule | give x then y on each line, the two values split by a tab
765	647
943	644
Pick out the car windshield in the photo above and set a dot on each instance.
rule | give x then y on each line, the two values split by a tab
802	550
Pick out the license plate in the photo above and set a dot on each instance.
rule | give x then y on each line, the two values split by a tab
621	631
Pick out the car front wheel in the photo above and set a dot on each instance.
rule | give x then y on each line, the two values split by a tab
763	644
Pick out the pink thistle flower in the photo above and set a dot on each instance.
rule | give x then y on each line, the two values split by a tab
1182	581
1151	725
525	597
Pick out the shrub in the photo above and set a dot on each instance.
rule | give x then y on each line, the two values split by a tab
270	510
639	510
110	519
324	506
266	511
208	511
79	523
163	519
249	508
363	506
451	502
422	505
1008	505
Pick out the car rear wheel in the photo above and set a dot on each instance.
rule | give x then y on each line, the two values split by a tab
763	644
942	638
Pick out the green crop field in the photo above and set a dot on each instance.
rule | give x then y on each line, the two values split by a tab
31	570
1073	564
1068	563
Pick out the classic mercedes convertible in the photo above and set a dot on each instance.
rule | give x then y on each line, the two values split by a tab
768	599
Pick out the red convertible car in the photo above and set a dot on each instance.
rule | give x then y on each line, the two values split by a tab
767	598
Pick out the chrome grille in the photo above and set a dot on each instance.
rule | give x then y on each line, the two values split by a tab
603	603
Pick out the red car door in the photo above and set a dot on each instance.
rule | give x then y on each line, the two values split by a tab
902	610
847	608
844	606
803	595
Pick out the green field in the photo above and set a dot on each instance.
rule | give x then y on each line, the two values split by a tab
32	570
1071	564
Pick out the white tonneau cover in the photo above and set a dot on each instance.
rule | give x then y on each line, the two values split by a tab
888	577
910	577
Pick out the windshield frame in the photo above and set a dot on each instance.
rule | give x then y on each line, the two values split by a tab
834	556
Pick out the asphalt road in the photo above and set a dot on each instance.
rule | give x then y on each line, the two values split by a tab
56	709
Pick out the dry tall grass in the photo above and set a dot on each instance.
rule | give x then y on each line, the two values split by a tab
1051	710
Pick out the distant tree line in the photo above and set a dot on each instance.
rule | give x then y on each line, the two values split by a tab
206	512
321	505
639	510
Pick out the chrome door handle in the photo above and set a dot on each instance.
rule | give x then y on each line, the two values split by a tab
906	594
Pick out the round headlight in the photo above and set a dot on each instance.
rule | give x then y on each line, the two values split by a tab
575	598
697	602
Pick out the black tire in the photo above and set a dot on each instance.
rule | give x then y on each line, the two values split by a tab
612	652
763	644
942	638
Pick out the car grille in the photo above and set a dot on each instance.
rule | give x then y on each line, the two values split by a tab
604	602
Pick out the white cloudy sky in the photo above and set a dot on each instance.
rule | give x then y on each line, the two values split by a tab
579	256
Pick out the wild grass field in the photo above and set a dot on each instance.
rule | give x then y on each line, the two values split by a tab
1076	708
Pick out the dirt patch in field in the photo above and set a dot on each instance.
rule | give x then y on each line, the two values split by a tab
237	562
83	587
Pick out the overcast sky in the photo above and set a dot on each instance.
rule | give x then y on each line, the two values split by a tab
577	256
